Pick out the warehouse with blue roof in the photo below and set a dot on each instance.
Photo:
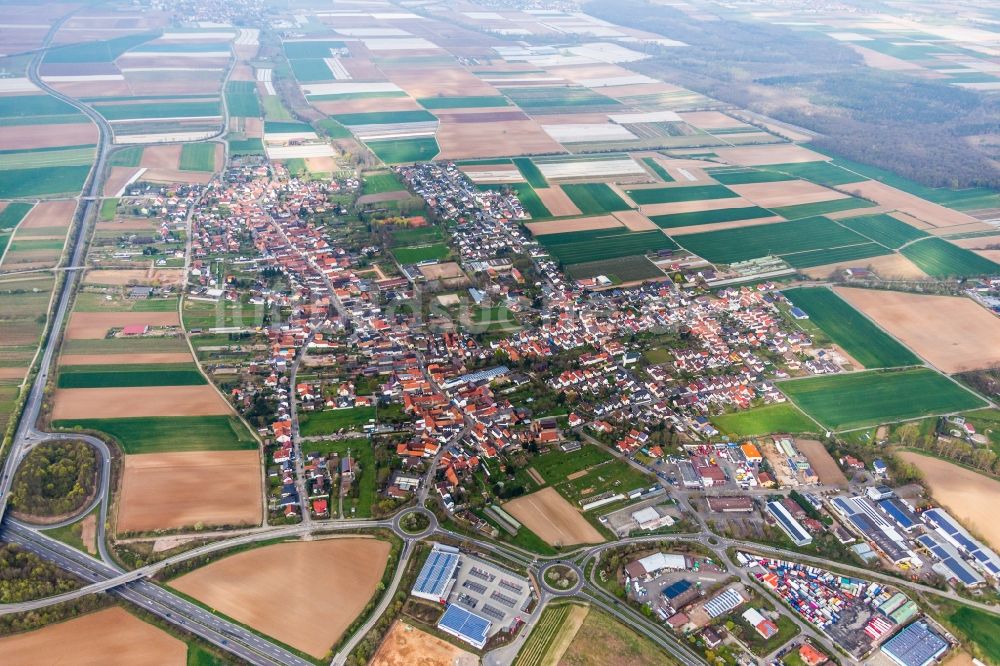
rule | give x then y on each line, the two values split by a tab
916	645
465	625
437	576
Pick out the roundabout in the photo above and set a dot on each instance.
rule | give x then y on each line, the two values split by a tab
561	579
415	523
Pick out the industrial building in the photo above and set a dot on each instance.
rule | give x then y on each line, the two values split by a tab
949	561
653	565
465	626
915	645
949	529
788	524
723	602
437	576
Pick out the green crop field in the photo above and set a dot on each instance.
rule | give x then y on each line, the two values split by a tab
397	151
311	70
884	229
576	247
129	156
555	98
198	157
12	215
142	374
746	176
700	217
847	327
29	245
821	208
106	50
657	195
658	169
531	173
241	99
46	180
46	157
782	417
245	147
273	109
529	199
781	238
980	627
384	117
939	258
485	101
413	255
148	110
376	183
161	434
117	346
594	198
33	106
823	173
335	130
859	399
622	269
187	47
852	253
311	49
330	421
285	127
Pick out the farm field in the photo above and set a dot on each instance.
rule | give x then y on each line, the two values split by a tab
822	462
658	169
42	181
602	640
698	218
413	255
981	628
118	402
953	334
148	110
136	374
376	183
384	118
95	325
398	151
594	198
108	636
601	244
847	327
470	102
241	99
967	495
552	635
883	229
163	434
739	176
530	171
245	146
854	400
822	172
197	157
552	518
161	491
12	214
620	270
405	645
305	575
783	238
115	346
939	258
659	195
780	418
799	211
541	99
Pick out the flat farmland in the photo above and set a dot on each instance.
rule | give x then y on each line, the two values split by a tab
111	636
198	157
512	135
170	434
883	229
822	462
854	332
953	334
528	197
405	645
799	211
574	224
779	418
602	639
241	99
740	176
552	635
95	325
861	399
540	99
939	258
786	193
555	201
42	181
397	151
384	118
781	238
821	172
702	217
620	271
149	110
469	102
967	495
12	213
162	491
305	576
600	244
594	198
155	358
849	253
110	403
37	108
117	346
552	518
133	374
660	195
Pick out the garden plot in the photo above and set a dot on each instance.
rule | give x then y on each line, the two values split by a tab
595	168
589	133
